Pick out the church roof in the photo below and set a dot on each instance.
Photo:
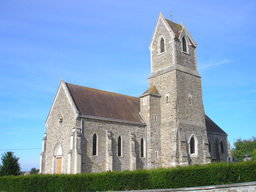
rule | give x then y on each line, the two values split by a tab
151	91
213	127
175	27
103	104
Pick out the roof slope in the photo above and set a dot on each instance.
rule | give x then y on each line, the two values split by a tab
98	103
212	127
175	27
151	91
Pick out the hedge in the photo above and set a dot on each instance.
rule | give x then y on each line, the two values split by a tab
178	177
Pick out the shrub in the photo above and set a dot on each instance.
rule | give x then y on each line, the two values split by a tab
178	177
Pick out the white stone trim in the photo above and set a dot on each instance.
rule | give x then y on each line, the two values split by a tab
64	87
196	145
97	144
186	41
121	146
159	45
168	28
187	34
55	156
172	68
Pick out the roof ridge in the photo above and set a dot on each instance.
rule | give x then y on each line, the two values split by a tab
102	90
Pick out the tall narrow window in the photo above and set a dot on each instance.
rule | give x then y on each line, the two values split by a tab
184	44
221	147
119	146
94	144
162	45
167	99
192	145
142	147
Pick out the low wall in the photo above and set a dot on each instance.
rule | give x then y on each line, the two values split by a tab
236	187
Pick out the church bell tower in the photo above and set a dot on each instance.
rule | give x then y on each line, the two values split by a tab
177	94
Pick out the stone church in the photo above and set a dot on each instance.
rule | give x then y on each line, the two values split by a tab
90	130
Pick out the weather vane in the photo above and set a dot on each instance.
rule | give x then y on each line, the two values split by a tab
171	15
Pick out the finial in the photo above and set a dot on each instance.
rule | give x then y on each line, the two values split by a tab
171	15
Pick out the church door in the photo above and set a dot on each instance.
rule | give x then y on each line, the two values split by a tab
59	165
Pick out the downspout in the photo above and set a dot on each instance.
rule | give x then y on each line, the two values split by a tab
146	153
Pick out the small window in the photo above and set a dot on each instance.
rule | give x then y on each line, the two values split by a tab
119	146
162	45
145	101
184	44
94	150
221	147
156	154
155	117
192	145
142	147
167	98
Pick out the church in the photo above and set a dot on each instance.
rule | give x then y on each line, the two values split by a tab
90	130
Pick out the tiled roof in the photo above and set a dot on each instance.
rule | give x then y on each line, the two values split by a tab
212	127
97	103
151	91
103	104
175	27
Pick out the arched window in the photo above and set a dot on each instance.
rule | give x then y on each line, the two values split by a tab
209	144
119	146
192	145
162	45
142	147
184	44
221	147
94	144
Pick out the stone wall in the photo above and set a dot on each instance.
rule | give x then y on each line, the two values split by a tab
185	59
151	113
58	130
215	147
97	163
164	59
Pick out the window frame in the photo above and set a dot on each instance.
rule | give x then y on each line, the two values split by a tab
94	145
184	45
119	146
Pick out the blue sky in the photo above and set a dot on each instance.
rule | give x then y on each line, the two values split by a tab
104	45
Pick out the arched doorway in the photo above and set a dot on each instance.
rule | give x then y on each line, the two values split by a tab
58	159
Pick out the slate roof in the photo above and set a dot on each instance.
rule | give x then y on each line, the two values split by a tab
175	27
151	91
97	103
103	104
213	127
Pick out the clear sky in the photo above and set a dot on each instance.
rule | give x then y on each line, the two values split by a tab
104	45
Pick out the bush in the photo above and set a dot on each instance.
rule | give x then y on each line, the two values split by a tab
191	176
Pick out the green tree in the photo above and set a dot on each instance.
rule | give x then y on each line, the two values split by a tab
254	154
34	171
10	165
243	146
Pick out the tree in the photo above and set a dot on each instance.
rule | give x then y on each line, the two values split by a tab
254	154
34	171
243	146
10	165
